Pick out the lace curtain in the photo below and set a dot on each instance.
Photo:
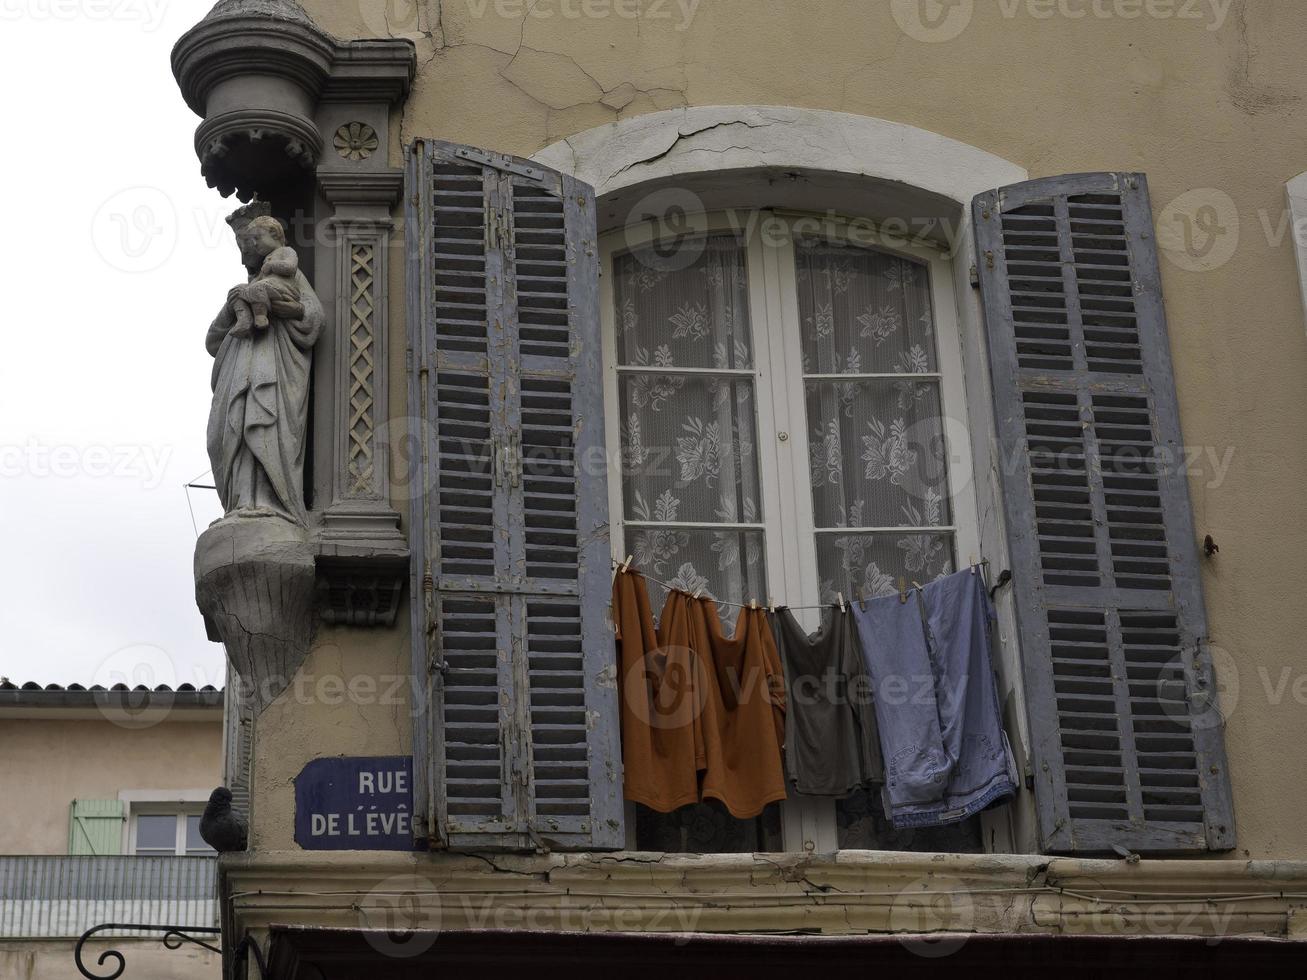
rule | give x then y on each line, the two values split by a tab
876	447
877	456
688	435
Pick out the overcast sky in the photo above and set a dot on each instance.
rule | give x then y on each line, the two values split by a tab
115	259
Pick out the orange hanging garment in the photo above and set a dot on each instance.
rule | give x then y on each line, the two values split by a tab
663	688
744	716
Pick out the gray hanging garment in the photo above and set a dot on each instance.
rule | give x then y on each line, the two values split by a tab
831	744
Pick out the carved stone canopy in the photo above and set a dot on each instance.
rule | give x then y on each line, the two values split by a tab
256	70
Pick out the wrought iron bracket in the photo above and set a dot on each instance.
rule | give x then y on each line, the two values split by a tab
174	937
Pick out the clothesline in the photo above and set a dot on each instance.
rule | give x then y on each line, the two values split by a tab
770	606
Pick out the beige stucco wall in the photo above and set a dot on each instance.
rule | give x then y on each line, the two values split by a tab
1214	104
146	960
49	763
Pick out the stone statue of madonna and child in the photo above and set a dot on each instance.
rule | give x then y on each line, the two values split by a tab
254	568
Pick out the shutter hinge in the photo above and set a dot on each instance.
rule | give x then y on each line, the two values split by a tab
499	161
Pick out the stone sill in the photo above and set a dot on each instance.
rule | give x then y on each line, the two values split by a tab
849	893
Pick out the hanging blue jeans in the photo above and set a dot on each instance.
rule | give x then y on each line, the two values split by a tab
946	757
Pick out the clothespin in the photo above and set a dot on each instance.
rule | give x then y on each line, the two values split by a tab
771	605
626	566
862	602
917	586
698	592
753	605
840	596
972	560
903	589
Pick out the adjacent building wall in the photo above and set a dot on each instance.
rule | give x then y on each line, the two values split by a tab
57	761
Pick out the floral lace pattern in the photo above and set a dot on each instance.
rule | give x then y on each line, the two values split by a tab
877	456
688	435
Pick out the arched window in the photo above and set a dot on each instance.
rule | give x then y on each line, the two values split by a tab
784	392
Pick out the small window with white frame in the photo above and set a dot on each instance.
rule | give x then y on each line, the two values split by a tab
786	395
161	832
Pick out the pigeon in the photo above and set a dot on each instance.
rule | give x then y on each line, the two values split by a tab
223	828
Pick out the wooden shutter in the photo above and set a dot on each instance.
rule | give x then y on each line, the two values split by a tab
522	746
1128	748
238	719
95	827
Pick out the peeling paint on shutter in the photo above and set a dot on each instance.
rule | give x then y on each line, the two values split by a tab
505	339
1127	737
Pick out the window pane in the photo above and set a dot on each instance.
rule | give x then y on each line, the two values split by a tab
689	449
727	563
194	842
685	305
156	833
863	312
871	564
876	454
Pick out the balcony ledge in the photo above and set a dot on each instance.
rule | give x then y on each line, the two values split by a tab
849	893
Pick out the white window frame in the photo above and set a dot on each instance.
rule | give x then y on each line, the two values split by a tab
161	803
808	824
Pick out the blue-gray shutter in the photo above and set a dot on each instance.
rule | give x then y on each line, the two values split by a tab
1127	741
519	746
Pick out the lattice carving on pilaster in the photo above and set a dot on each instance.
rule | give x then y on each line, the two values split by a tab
361	462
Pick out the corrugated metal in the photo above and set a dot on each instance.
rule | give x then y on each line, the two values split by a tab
58	896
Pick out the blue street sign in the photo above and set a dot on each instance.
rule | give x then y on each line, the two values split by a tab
361	804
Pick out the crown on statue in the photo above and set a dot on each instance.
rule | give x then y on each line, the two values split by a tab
242	216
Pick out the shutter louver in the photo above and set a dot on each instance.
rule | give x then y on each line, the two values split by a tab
504	321
239	717
1127	739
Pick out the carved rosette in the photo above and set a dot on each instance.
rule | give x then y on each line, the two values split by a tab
356	141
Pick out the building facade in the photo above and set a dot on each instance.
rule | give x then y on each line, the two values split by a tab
791	304
102	825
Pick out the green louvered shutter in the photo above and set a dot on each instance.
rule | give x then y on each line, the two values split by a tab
1128	746
95	827
511	536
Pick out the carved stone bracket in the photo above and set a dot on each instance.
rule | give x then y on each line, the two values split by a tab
255	584
256	70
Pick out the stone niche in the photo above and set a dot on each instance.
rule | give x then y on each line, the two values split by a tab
302	122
